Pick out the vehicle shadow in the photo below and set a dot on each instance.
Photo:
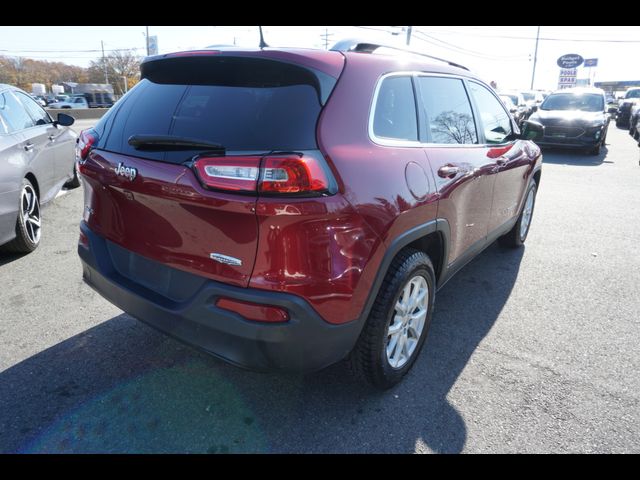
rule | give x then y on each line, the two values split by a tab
578	158
8	257
122	387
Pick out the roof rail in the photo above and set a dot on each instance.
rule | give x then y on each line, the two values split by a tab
363	46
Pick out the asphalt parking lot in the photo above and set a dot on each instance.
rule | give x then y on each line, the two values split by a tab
534	350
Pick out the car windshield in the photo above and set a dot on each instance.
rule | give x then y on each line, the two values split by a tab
514	99
571	101
507	100
528	96
633	94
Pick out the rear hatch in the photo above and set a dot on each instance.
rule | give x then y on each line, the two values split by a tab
174	170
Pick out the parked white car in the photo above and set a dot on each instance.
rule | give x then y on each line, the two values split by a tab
73	102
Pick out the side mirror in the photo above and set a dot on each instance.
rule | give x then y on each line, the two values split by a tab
530	130
534	108
513	110
64	120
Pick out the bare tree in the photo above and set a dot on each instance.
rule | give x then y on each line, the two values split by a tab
120	63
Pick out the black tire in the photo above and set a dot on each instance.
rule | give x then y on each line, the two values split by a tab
75	181
23	243
368	361
596	150
514	239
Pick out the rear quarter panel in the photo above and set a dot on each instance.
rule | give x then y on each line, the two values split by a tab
372	177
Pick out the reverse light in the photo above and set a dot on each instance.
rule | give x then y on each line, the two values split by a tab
274	174
239	174
254	311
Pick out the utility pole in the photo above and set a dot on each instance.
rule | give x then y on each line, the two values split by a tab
409	34
124	78
147	40
535	58
104	63
325	36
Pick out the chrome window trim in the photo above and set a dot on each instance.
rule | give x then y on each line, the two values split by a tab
414	75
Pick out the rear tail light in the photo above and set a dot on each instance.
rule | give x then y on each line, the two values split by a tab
254	311
276	174
292	175
83	240
86	140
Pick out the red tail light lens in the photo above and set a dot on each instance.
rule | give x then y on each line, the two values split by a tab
292	175
270	174
85	141
254	311
239	174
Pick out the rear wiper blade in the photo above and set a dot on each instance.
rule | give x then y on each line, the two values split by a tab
171	142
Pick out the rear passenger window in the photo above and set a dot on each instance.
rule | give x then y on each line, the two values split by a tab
447	110
496	122
14	114
395	115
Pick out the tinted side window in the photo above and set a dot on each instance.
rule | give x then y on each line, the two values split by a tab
36	111
395	114
447	110
13	113
495	120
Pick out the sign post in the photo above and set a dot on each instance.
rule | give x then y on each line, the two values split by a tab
590	63
153	45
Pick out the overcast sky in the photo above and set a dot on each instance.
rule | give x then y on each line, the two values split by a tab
503	54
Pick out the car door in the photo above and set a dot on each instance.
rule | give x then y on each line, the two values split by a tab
11	173
39	156
512	157
59	143
464	174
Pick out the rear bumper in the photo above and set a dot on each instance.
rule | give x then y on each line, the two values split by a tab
304	343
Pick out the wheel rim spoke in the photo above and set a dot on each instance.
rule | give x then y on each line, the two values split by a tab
31	214
407	323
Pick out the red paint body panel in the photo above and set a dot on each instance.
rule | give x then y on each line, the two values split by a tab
317	249
166	215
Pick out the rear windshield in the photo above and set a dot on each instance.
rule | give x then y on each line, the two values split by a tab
244	117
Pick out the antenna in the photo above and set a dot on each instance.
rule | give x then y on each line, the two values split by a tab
263	44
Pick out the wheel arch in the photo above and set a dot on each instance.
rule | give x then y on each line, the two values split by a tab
34	181
432	237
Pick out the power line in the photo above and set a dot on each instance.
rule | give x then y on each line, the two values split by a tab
549	39
455	48
325	37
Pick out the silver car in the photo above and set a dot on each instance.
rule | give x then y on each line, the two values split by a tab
36	160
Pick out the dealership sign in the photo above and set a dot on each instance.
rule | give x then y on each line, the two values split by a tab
568	78
571	60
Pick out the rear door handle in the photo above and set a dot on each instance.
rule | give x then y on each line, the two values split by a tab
52	138
29	147
448	171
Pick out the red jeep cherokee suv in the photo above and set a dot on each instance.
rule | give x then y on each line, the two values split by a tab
287	208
